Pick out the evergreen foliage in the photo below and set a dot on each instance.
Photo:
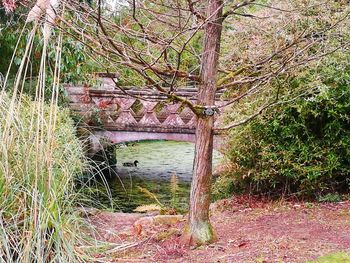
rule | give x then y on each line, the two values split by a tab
303	147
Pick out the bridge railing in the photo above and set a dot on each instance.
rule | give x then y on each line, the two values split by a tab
115	109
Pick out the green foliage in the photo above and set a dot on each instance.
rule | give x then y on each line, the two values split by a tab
330	198
38	161
76	67
223	188
302	147
339	257
7	41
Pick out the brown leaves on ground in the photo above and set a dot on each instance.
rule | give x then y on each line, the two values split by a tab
249	230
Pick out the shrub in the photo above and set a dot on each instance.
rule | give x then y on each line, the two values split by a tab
301	148
223	187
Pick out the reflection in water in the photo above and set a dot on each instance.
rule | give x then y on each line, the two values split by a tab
157	161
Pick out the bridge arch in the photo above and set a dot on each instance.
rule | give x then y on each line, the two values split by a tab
116	137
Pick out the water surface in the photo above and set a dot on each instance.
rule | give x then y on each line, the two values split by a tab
159	161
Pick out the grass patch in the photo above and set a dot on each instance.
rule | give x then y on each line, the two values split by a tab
339	257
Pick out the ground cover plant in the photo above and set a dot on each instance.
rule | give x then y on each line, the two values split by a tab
339	257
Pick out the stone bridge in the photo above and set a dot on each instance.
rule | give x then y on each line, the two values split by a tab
134	114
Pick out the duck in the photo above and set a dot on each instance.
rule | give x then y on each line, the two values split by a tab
122	145
128	164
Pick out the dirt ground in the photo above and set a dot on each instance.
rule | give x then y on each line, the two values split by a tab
248	230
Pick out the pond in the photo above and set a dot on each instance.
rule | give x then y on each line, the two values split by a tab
164	171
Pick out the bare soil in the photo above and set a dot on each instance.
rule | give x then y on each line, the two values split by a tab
248	230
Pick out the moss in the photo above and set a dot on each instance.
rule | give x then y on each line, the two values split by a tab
200	233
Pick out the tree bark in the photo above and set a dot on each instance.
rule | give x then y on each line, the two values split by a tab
199	229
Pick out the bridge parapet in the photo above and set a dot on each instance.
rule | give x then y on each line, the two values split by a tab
134	109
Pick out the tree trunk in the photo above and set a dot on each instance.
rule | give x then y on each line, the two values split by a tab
199	229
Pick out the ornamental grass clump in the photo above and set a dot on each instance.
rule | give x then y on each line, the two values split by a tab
39	158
